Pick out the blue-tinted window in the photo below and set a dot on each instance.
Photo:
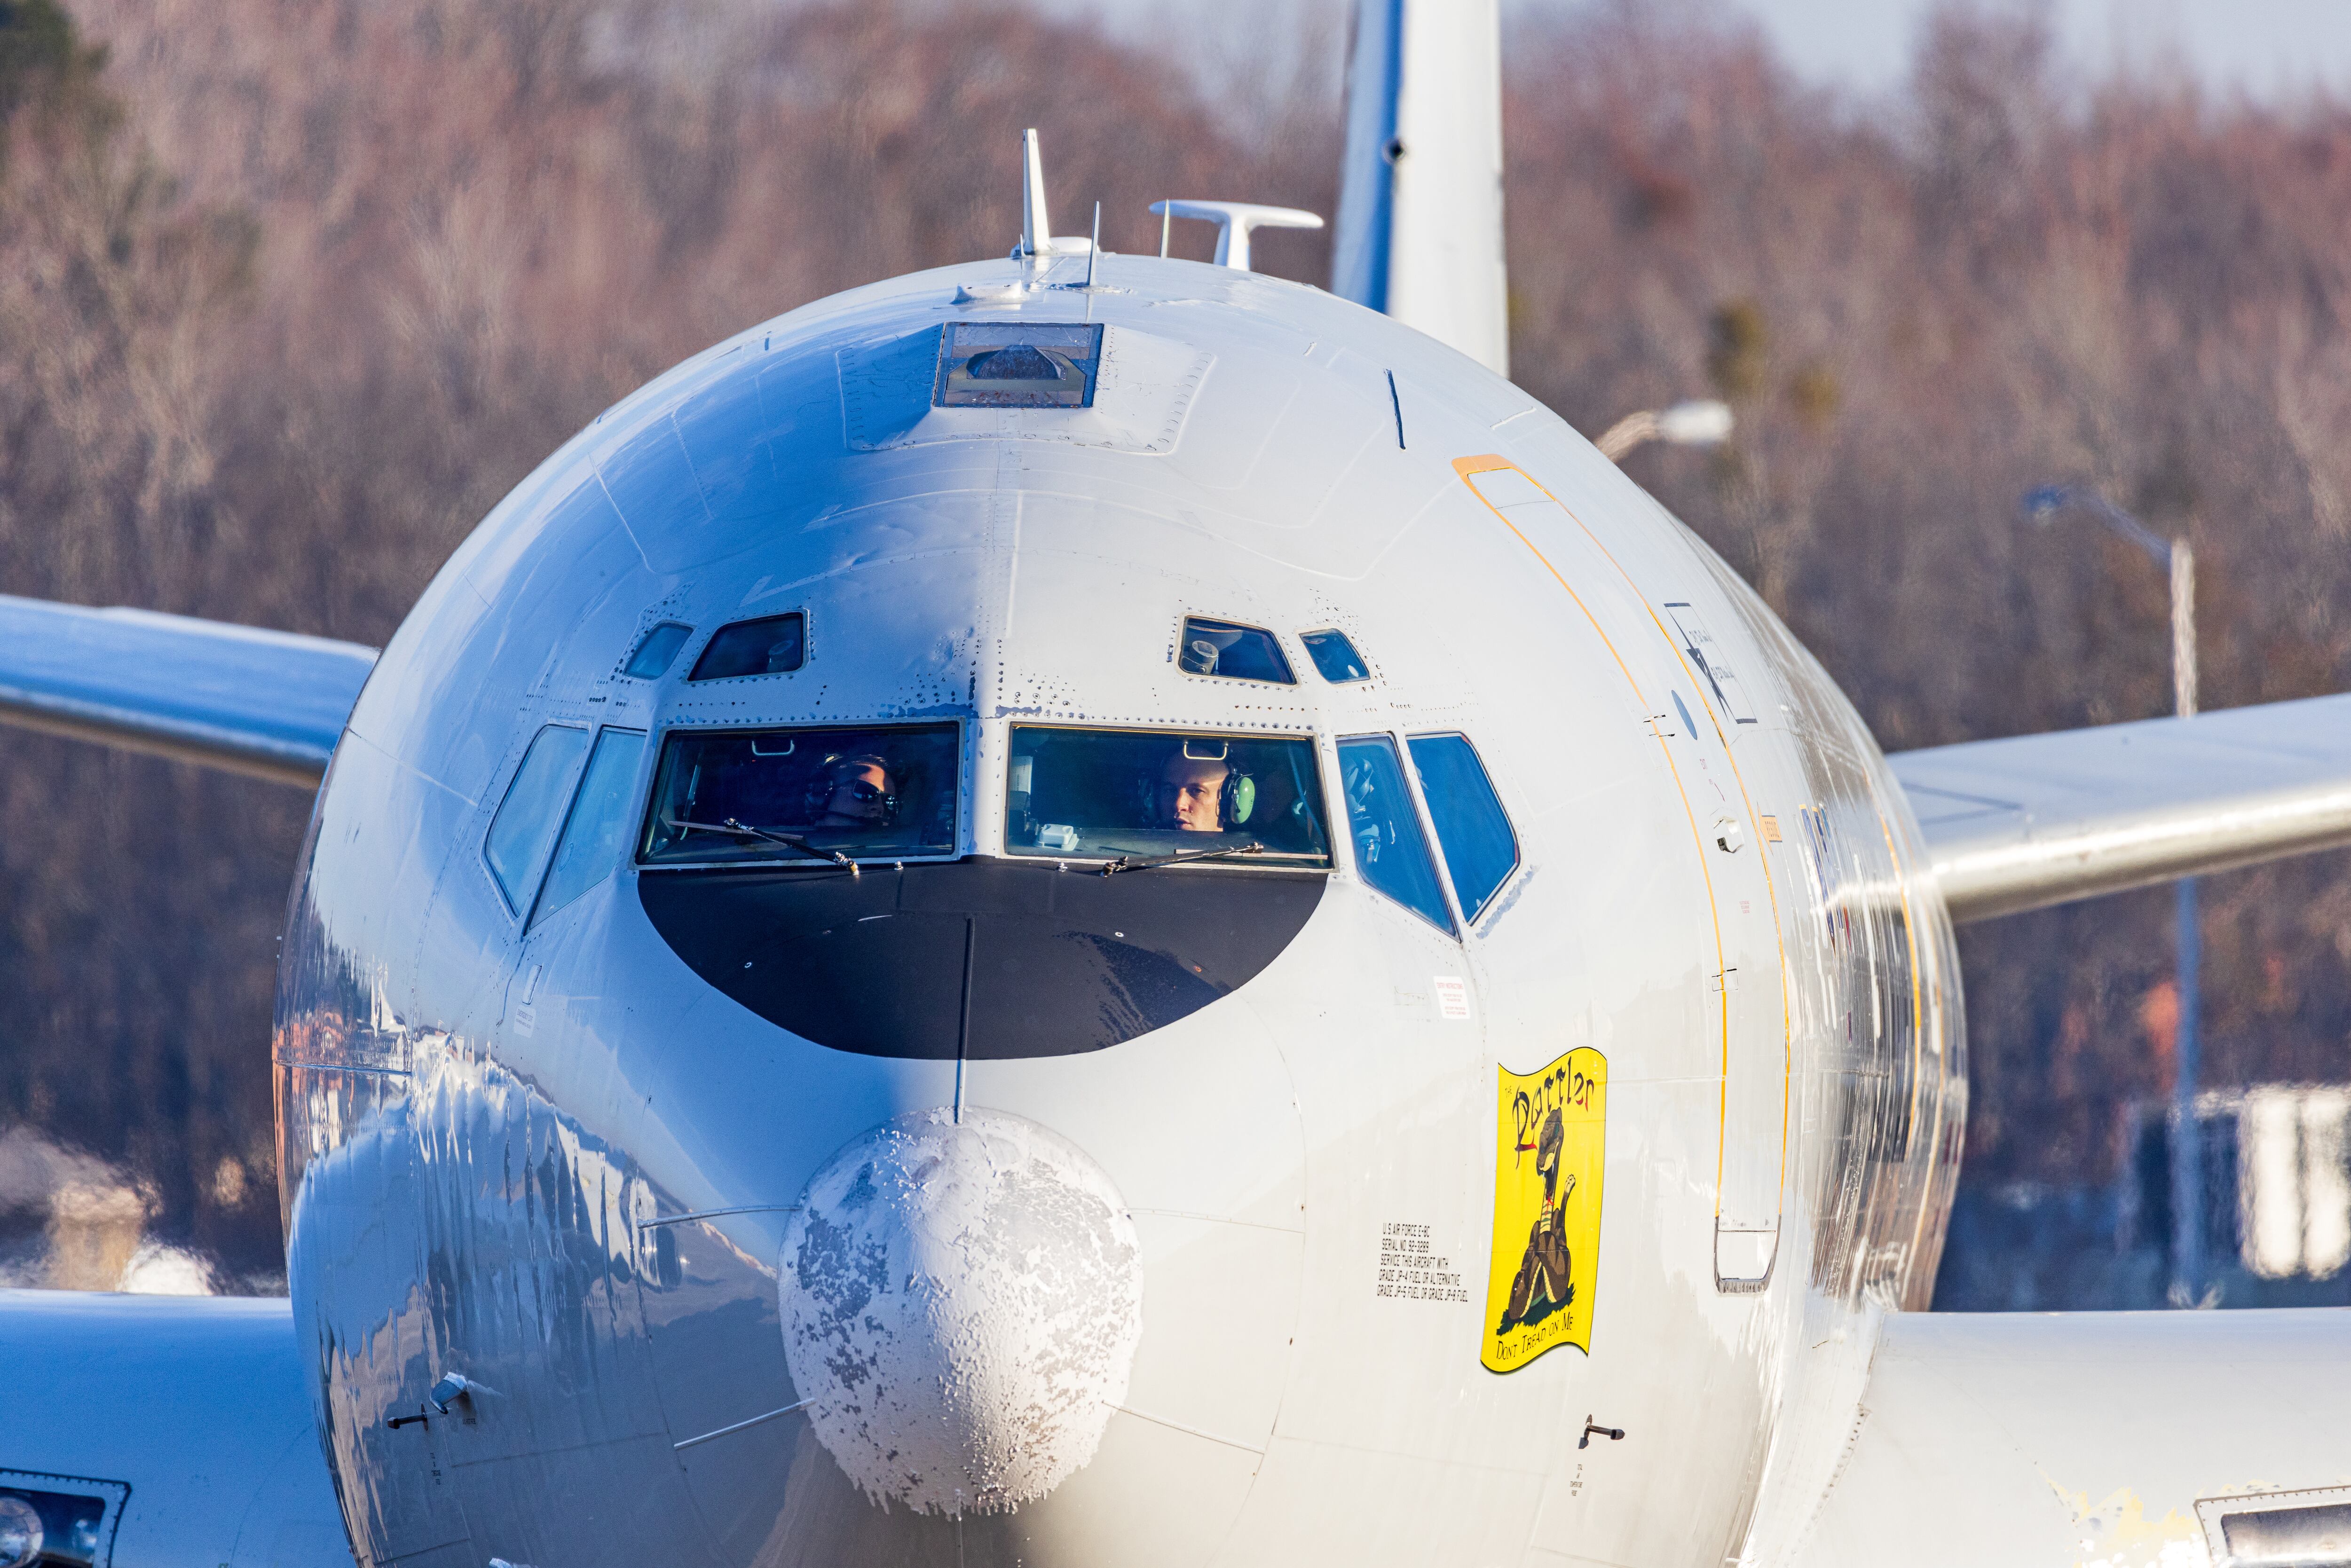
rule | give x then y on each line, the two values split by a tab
598	828
771	645
1391	852
1336	657
1239	653
656	649
528	817
1480	850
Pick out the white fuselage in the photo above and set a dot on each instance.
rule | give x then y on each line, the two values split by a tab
488	1131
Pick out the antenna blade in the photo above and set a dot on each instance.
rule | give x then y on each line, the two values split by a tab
1420	196
1036	231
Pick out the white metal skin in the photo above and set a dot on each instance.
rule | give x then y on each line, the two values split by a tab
2030	820
2118	1438
488	1135
189	1411
265	704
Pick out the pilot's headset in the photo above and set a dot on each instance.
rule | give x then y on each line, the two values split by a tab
829	777
1238	798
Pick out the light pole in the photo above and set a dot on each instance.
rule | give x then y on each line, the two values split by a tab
1700	422
2177	557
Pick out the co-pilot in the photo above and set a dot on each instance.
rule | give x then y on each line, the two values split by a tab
1191	793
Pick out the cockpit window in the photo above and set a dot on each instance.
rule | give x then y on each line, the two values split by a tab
1124	794
527	818
804	796
1237	653
1390	848
1335	659
771	645
598	828
1480	849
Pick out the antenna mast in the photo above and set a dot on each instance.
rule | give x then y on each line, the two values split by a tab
1036	232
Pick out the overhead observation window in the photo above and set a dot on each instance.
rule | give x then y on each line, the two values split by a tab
597	831
656	649
1391	851
1335	659
527	818
771	645
804	796
1237	653
1112	794
1480	849
1016	364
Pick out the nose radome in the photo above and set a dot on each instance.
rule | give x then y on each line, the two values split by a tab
961	1305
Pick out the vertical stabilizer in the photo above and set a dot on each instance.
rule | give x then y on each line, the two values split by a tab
1420	196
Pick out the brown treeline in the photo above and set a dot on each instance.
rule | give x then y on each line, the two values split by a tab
291	293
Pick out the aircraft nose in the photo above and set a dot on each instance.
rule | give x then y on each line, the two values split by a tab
961	1306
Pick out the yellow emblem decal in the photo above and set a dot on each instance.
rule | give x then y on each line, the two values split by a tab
1550	1131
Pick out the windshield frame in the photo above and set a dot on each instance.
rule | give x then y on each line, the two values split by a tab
1233	857
821	862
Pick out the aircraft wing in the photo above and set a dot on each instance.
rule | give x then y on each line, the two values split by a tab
2037	820
268	704
2130	1440
165	1432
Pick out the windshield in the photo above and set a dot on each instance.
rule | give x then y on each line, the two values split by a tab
792	796
1105	794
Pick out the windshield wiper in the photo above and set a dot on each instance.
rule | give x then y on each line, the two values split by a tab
792	841
1145	862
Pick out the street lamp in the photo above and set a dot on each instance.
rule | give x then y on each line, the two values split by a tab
1700	422
2178	559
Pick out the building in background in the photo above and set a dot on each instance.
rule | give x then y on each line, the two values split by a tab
2276	1225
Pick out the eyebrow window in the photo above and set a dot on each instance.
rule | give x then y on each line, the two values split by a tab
527	818
599	824
656	649
1391	852
771	645
1335	659
1480	849
1237	653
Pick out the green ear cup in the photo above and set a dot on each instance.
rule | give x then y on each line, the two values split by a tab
1244	797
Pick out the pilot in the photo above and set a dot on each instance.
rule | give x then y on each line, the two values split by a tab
862	794
1191	793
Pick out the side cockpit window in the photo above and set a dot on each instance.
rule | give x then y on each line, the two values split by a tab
1480	849
597	831
527	818
1391	852
804	796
